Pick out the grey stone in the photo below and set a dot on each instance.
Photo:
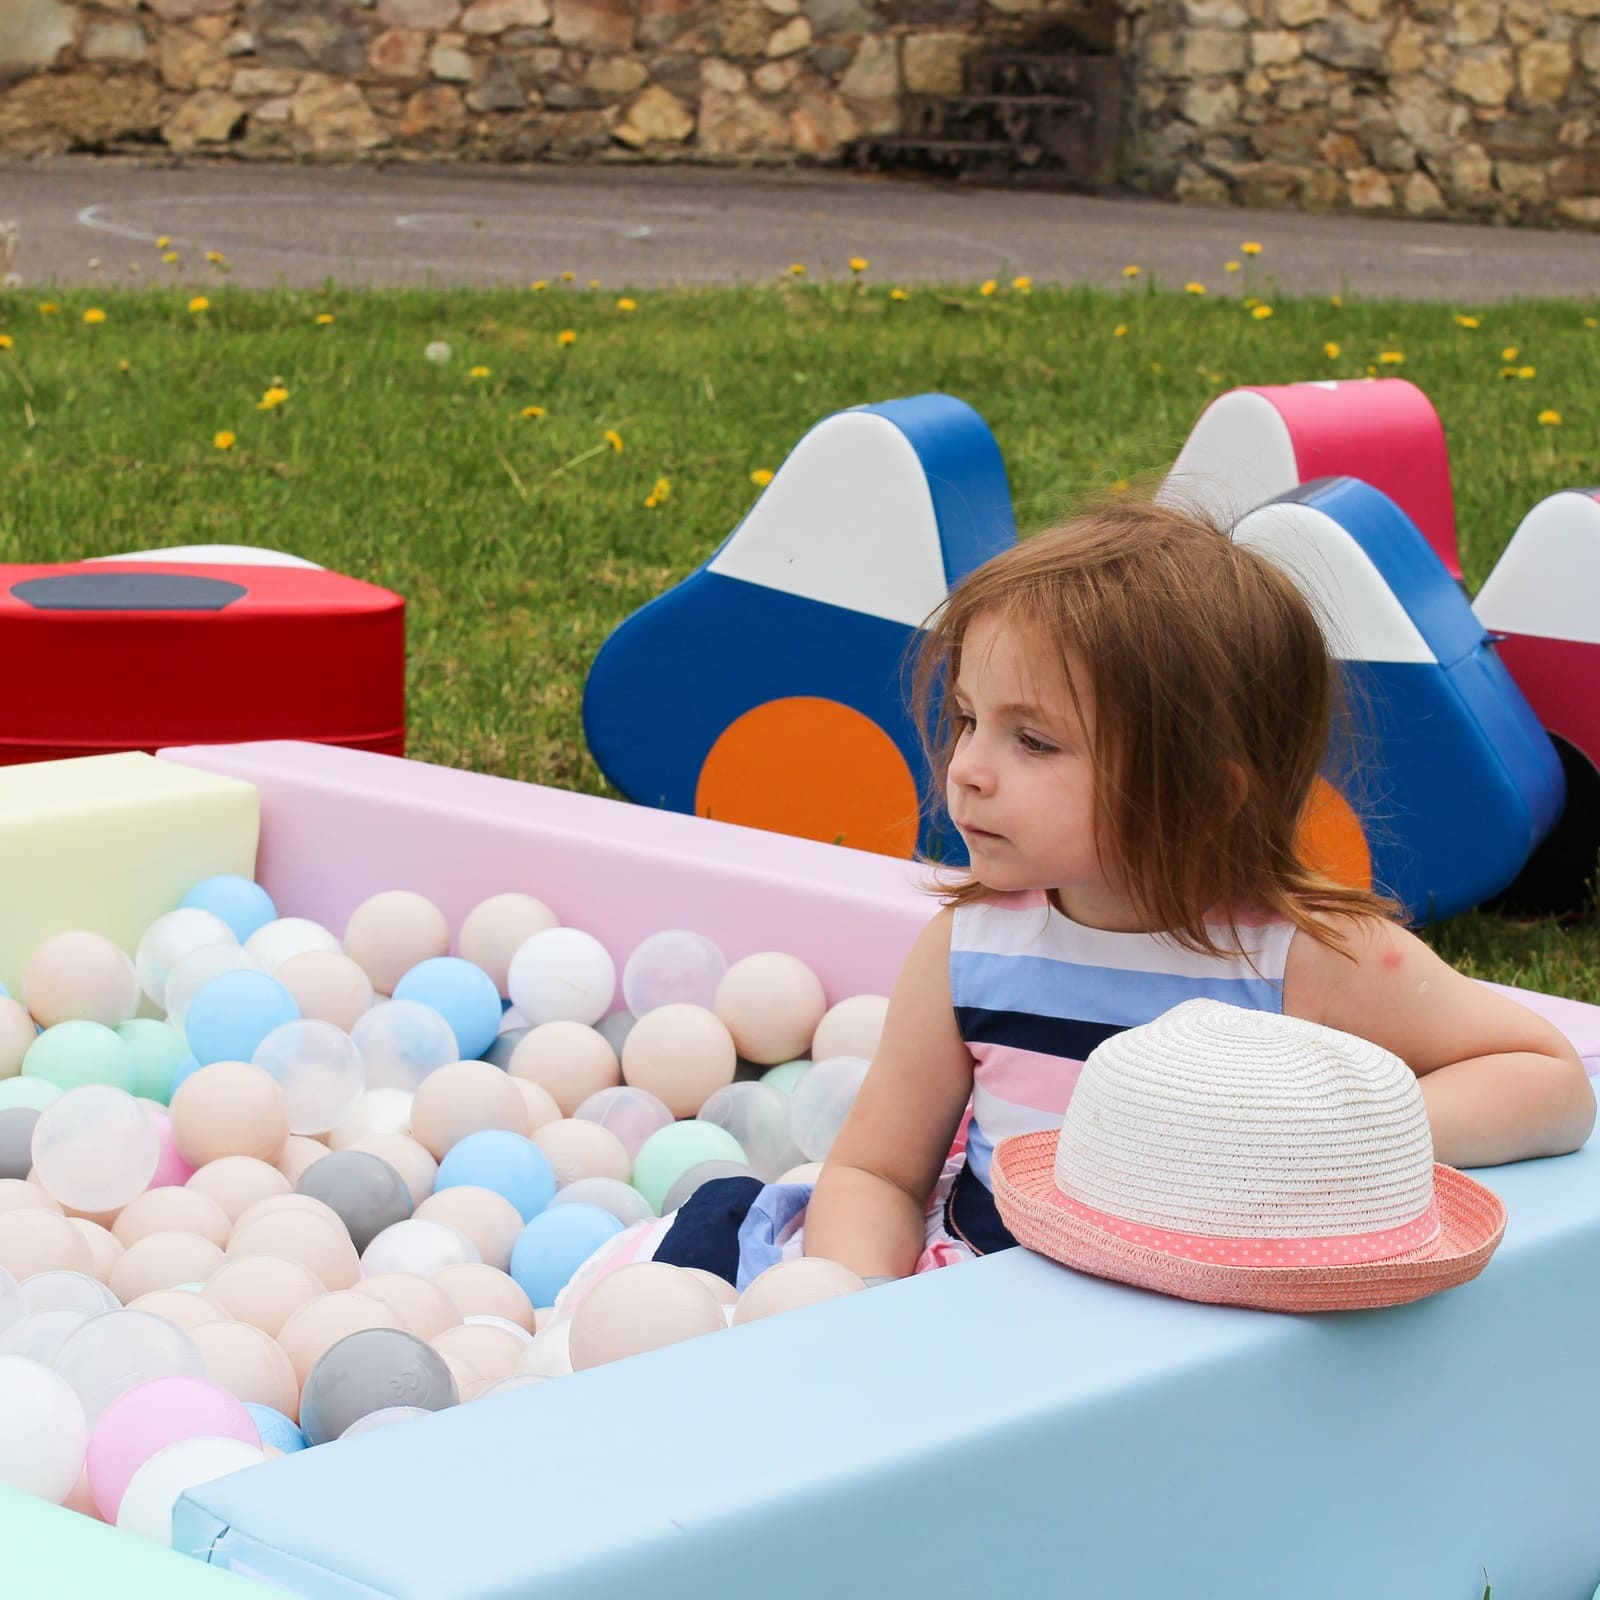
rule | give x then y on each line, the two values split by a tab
322	35
934	13
831	59
32	34
1343	42
840	16
451	63
497	88
678	75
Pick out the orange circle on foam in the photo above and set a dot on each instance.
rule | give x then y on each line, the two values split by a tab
814	769
1330	839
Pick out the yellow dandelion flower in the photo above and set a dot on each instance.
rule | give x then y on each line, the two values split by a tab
1549	419
1372	371
1391	358
7	342
1120	486
625	304
1230	266
216	258
1464	321
223	440
566	337
1251	247
1261	313
274	397
1194	288
898	294
1336	300
124	365
1527	372
662	489
199	303
171	257
1131	271
94	315
1155	366
538	285
567	277
478	372
1331	350
162	242
1022	285
988	286
1120	331
1591	322
761	477
614	439
529	413
323	318
651	502
48	308
594	283
859	263
797	269
1509	353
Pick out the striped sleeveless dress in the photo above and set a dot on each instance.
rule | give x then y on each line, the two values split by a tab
1035	992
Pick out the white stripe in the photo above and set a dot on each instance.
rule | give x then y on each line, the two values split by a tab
1000	1118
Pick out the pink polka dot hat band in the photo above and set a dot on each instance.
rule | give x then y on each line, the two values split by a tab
1249	1159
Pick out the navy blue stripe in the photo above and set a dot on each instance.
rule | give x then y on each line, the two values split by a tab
1068	1037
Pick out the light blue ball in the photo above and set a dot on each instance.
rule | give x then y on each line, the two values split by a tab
275	1428
554	1245
233	1013
505	1162
243	905
181	1074
464	995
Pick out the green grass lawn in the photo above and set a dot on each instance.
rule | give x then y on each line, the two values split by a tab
520	540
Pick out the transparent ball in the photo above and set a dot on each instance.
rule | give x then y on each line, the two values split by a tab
702	1172
320	1069
95	1148
284	938
12	1305
375	1421
562	975
169	939
757	1115
622	1200
45	1436
197	969
631	1114
821	1101
673	967
401	1042
113	1353
67	1291
41	1334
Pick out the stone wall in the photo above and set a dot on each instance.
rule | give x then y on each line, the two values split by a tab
1461	107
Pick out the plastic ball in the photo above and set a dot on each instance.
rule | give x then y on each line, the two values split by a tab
464	995
541	1109
851	1028
489	1220
194	972
499	1054
791	1284
630	1113
462	1098
316	1328
555	1244
622	1200
402	1041
179	1306
237	1182
16	1141
327	986
68	1291
163	1480
673	967
40	1241
103	1249
757	1115
368	1194
489	1351
40	1335
275	1428
822	1100
421	1305
233	1013
578	1149
786	1074
319	1068
478	1291
163	1261
416	1167
370	1371
73	1054
569	1060
495	929
299	1152
507	1163
80	977
615	1029
644	1306
771	1003
388	1417
45	1433
229	1108
562	975
550	1355
417	1246
693	1178
389	933
18	1194
317	1241
242	904
667	1155
172	1209
157	1049
169	939
263	1291
95	1148
377	1111
681	1053
517	1380
284	938
247	1362
17	1031
118	1351
34	1093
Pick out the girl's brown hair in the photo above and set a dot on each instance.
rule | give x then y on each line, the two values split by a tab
1213	698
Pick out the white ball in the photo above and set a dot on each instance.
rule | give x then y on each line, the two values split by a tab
549	1356
275	942
562	975
169	939
374	1111
418	1246
622	1200
43	1431
169	1474
95	1148
321	1071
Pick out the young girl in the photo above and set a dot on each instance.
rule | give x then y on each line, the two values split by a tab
1133	713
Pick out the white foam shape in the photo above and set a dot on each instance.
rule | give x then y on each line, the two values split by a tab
1360	615
847	521
1546	584
216	555
1239	456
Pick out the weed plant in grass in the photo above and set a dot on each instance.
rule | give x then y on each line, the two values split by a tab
579	451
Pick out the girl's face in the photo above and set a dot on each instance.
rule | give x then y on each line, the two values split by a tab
1021	781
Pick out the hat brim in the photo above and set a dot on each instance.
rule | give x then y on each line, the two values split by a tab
1472	1221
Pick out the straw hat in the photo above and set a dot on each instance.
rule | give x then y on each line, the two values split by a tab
1248	1159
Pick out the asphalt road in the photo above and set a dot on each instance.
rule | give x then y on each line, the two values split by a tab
649	226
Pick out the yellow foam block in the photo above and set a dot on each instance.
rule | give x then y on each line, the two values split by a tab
108	843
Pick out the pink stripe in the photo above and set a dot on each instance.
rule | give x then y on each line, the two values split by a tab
1025	1077
1336	1250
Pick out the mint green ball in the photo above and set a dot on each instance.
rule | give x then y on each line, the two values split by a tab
34	1093
786	1075
72	1054
157	1049
669	1152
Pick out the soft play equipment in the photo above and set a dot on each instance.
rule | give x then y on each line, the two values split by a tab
1542	606
1253	444
832	1450
133	654
1453	780
784	704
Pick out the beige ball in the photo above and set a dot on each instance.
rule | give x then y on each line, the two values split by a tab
568	1059
327	986
300	1151
322	1247
420	1307
183	1308
578	1149
104	1250
467	1378
682	1054
80	977
315	1328
17	1032
163	1261
249	1364
806	1172
495	927
40	1241
237	1182
792	1284
488	1219
229	1109
390	933
293	1201
416	1167
464	1097
478	1290
487	1351
640	1307
722	1291
851	1028
172	1210
264	1291
771	1004
540	1104
19	1194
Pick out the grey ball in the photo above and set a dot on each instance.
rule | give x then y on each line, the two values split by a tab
499	1053
366	1192
701	1172
16	1141
372	1370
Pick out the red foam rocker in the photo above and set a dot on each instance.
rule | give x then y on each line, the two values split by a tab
207	645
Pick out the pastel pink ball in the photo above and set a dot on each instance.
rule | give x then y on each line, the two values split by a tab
171	1169
149	1418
